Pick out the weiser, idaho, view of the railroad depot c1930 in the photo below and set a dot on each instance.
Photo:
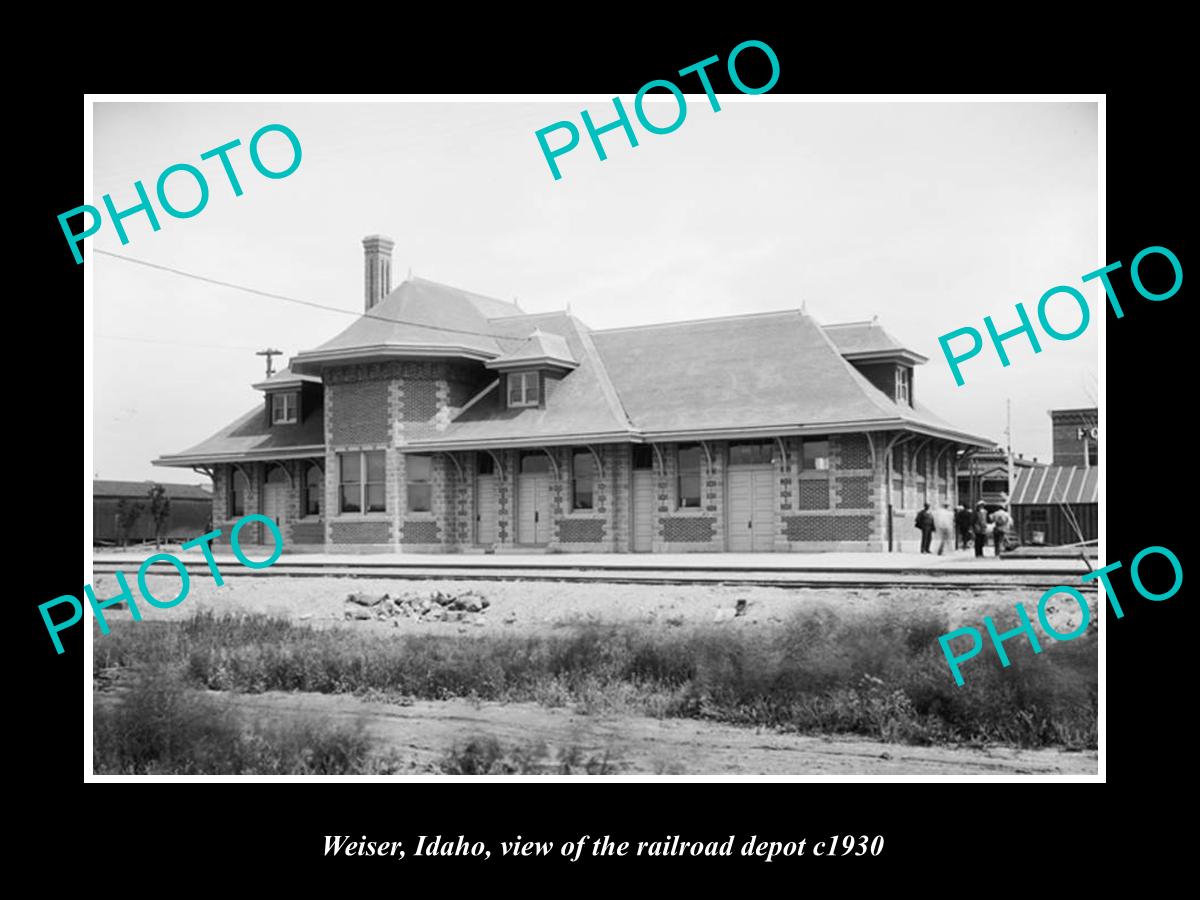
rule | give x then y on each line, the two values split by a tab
443	420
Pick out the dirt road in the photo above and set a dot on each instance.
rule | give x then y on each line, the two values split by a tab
423	731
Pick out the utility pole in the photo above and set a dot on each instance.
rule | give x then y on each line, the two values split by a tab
1008	442
269	353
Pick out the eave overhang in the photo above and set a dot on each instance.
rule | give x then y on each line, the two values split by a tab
186	460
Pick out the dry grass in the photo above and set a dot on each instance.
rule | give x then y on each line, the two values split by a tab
822	671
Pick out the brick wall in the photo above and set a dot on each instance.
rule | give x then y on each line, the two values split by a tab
690	530
1068	448
360	412
309	531
580	531
463	499
829	529
839	508
368	531
222	519
359	403
621	456
506	525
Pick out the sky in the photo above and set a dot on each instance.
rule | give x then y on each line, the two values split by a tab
927	215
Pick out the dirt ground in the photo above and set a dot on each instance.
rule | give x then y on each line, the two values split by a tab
420	734
518	607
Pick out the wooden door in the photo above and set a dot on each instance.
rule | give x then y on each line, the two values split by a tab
485	509
643	510
533	509
751	509
275	496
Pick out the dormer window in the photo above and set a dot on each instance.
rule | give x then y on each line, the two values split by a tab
903	392
523	389
284	408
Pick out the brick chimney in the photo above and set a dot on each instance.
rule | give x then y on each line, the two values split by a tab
377	268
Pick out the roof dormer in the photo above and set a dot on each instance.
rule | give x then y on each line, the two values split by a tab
541	350
289	396
883	360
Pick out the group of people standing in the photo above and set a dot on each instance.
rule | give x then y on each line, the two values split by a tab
961	527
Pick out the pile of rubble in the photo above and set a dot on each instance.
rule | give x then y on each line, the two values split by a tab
439	606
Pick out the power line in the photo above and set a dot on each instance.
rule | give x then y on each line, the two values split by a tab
118	337
310	303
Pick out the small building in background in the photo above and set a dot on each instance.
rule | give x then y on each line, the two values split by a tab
983	475
1059	504
1076	437
191	511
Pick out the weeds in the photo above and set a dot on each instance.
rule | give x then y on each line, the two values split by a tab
486	756
159	726
822	671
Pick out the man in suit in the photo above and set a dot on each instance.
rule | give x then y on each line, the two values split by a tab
979	525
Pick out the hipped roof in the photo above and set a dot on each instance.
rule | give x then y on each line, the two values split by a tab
251	437
776	373
765	374
418	318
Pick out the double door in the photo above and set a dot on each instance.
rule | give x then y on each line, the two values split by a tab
751	508
534	522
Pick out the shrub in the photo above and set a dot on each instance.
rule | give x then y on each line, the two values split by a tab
486	756
158	726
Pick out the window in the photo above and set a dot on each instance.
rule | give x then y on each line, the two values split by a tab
419	473
643	456
523	389
238	486
922	462
815	456
283	408
484	464
583	477
902	385
534	462
362	482
689	476
745	453
313	487
898	460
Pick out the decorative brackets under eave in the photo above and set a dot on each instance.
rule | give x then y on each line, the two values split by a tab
286	471
599	462
496	460
662	463
454	459
553	462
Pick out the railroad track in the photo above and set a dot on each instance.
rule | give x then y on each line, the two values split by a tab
1031	580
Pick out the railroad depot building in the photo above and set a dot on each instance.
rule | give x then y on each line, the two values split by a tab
445	421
